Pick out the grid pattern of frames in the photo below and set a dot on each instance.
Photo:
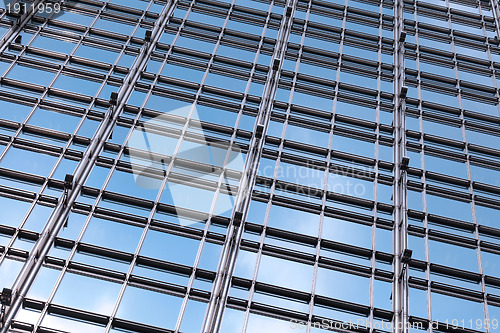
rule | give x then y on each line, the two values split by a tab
317	243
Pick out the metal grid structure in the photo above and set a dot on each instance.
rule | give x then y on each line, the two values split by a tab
323	99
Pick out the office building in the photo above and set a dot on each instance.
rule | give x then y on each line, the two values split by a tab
250	166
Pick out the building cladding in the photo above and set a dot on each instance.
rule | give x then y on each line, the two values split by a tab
270	191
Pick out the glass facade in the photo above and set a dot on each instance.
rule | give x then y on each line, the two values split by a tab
236	166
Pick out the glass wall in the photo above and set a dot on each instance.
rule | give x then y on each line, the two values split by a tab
142	247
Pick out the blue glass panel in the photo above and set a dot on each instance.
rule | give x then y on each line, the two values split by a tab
494	317
343	286
293	220
74	227
278	271
97	176
137	4
247	122
183	73
382	295
164	104
476	106
114	235
77	18
232	321
385	153
98	261
383	239
275	128
315	70
347	232
99	54
34	163
77	85
114	26
248	28
358	80
148	307
417	245
307	176
257	212
445	165
453	255
485	175
354	146
193	317
87	293
458	309
332	21
245	264
439	45
161	275
363	28
483	139
321	44
225	82
53	44
210	256
237	53
65	167
451	208
65	324
28	74
418	302
488	216
360	52
38	217
491	264
14	215
253	4
384	193
88	128
54	120
432	96
475	78
9	270
170	247
468	51
346	184
443	130
124	183
307	135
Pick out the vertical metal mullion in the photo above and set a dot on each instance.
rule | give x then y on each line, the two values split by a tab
121	293
423	177
262	239
258	52
376	171
466	151
221	176
328	163
57	219
400	235
272	190
9	145
496	15
67	146
222	283
18	132
28	117
469	172
325	179
164	182
84	227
